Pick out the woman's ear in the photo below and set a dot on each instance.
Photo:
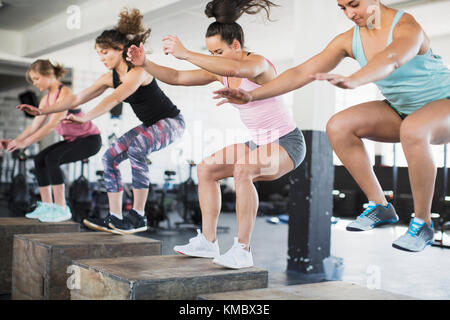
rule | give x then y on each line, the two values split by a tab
236	45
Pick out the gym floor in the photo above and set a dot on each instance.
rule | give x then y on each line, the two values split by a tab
366	255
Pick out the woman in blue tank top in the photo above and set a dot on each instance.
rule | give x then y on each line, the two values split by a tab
396	55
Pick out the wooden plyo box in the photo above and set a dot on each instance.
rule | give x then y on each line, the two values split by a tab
12	226
334	290
160	277
40	262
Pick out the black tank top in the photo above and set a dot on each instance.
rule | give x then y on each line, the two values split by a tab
149	102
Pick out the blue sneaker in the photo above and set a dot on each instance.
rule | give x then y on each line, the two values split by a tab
416	239
375	215
42	208
58	214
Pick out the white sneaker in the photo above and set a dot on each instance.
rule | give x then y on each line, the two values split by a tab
236	258
199	247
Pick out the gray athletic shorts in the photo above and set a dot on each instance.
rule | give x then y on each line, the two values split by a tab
293	143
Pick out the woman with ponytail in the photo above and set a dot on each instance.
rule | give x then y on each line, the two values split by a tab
78	143
162	123
397	56
277	145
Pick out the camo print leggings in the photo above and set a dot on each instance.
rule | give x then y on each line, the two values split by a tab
135	145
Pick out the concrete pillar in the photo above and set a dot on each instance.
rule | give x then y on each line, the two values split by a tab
311	204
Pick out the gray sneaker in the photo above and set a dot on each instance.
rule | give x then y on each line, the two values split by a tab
416	239
375	215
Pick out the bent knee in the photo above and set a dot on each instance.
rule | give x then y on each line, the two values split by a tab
243	172
337	126
413	135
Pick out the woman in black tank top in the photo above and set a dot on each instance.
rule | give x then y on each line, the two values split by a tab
162	123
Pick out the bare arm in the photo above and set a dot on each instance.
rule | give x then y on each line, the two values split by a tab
46	129
38	130
251	67
136	55
407	41
293	78
72	100
179	77
37	122
132	81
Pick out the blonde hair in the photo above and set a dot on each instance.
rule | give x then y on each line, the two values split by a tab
47	69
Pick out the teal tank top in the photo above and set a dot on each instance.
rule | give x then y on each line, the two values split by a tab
422	80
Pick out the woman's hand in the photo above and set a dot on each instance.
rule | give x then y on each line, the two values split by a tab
337	80
4	144
172	45
236	96
70	118
31	110
14	145
136	55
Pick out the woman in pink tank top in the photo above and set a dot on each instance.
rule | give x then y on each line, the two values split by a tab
77	144
277	146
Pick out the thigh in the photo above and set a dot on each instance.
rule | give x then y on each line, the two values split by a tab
221	164
269	162
41	156
80	149
118	151
374	120
432	120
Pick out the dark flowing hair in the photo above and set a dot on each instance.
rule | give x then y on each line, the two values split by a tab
129	31
227	12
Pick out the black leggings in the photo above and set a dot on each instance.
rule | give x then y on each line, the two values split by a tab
47	162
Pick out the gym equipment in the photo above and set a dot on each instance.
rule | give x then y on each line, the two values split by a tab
13	226
188	205
19	193
39	275
80	196
171	277
443	222
100	205
30	98
155	207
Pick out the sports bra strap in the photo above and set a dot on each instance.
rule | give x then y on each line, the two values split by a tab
57	95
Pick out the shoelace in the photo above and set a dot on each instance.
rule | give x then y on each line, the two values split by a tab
414	227
367	211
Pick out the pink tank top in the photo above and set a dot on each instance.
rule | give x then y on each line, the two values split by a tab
70	132
267	120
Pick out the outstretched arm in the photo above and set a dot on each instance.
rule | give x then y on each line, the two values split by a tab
72	100
407	42
132	81
293	78
136	55
38	130
249	68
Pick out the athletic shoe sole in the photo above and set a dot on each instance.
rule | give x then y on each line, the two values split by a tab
396	246
128	232
196	255
32	217
381	223
61	219
231	267
99	228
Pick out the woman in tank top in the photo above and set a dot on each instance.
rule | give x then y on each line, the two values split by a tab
396	55
77	144
162	123
277	145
